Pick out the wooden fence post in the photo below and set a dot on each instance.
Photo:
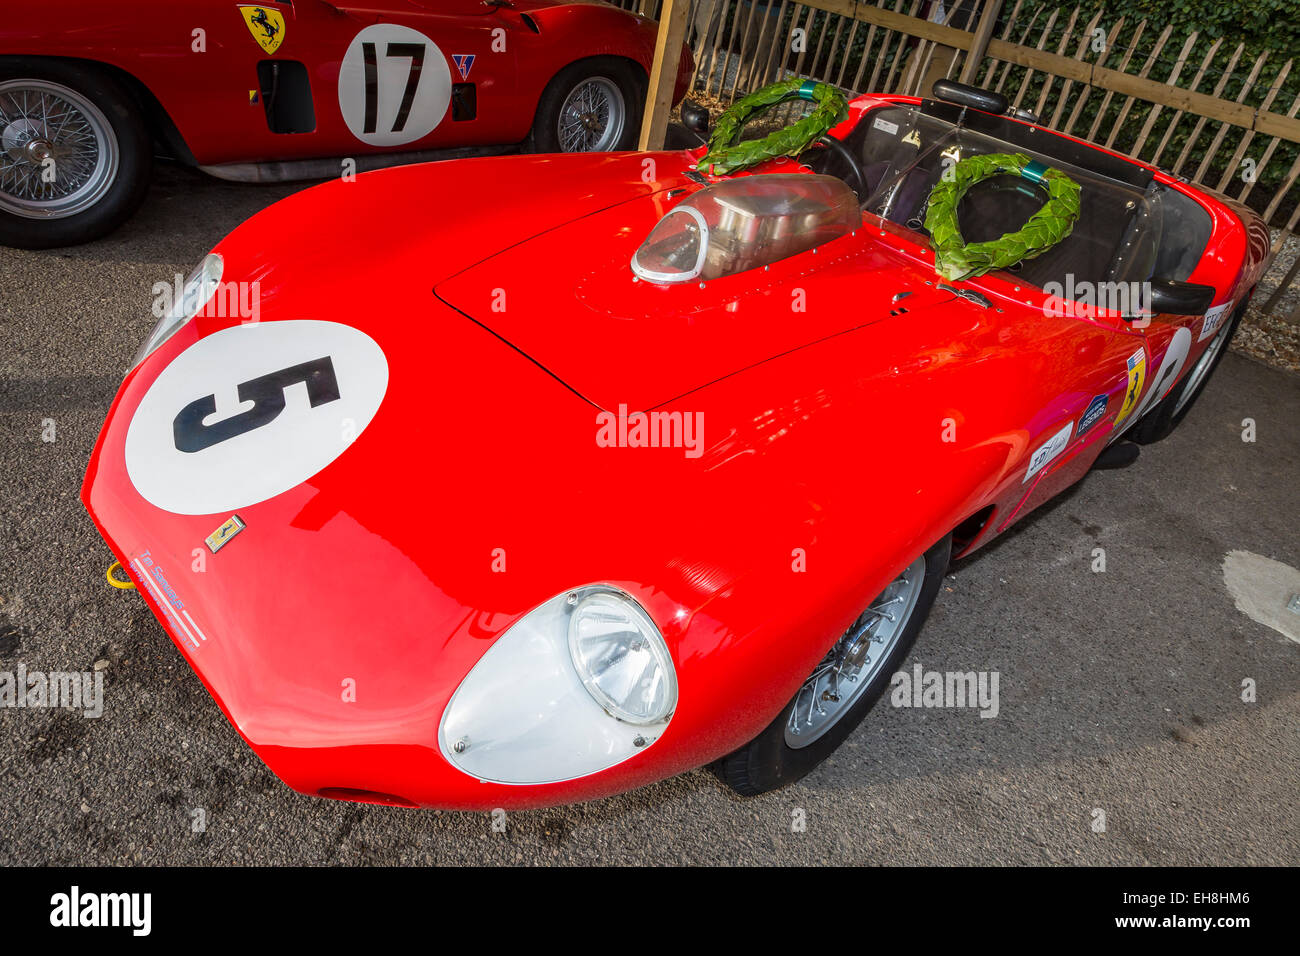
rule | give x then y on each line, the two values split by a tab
980	44
663	73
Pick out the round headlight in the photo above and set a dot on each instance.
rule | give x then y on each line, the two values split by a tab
621	657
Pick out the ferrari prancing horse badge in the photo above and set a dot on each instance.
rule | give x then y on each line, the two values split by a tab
267	26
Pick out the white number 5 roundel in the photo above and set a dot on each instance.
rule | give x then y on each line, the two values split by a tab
251	411
394	85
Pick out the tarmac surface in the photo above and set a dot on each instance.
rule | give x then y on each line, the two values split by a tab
1120	693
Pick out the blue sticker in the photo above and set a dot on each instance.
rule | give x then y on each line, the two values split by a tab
1093	413
464	63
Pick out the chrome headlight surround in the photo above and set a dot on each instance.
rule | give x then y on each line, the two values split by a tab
196	292
528	713
620	656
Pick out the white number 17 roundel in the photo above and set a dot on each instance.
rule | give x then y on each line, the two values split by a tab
394	85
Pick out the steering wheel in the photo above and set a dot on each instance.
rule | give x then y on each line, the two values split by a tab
845	154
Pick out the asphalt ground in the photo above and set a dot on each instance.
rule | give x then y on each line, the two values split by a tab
1120	693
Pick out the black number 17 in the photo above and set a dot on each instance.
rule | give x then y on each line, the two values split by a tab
413	50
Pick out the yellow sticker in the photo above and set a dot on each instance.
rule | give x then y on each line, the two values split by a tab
229	528
267	26
1137	373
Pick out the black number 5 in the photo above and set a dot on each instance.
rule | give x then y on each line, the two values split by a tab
416	53
266	392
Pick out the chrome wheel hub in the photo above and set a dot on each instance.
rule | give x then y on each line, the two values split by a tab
593	117
58	154
855	661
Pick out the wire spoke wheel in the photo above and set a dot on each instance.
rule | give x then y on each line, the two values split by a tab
854	662
592	117
58	153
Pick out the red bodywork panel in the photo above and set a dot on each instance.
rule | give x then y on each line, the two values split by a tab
516	50
378	568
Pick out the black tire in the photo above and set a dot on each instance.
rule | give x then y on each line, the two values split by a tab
767	762
1161	419
545	137
125	187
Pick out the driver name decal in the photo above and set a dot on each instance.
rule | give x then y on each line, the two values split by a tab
252	411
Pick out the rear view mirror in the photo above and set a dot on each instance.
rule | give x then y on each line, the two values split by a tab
962	94
695	118
1175	297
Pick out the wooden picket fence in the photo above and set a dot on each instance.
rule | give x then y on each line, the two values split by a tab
1196	106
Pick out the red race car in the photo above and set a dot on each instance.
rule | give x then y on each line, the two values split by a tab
547	477
287	90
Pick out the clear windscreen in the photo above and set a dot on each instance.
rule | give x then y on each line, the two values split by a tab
1115	239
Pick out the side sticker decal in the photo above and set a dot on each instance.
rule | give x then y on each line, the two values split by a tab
1213	320
464	63
1049	450
1137	371
1094	413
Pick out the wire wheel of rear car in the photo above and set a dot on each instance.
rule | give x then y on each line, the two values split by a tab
592	117
59	154
589	107
842	689
73	163
1166	415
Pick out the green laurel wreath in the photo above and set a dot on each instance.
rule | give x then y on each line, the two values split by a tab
725	156
955	259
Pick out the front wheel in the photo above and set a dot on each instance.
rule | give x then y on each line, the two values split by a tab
590	106
844	686
74	154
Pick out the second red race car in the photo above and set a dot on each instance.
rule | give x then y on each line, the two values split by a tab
289	89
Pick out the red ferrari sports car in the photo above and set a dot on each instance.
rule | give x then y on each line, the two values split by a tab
287	88
529	495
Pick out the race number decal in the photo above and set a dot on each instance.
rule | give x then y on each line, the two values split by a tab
1170	365
252	411
394	85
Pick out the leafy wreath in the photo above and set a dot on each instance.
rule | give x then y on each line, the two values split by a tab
955	259
725	156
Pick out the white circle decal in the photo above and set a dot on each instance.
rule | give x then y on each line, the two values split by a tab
394	85
251	411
